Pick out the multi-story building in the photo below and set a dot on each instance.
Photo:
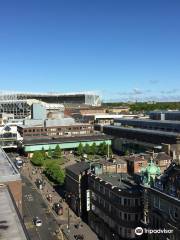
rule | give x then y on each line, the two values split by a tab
140	139
10	176
164	204
135	162
76	180
114	165
76	185
165	115
11	224
54	131
169	126
114	206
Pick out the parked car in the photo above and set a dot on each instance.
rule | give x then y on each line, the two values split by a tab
57	207
37	222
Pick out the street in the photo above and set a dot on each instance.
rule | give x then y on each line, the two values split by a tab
34	205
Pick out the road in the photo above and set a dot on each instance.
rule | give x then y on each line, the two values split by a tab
34	205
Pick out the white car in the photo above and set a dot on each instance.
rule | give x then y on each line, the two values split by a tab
37	222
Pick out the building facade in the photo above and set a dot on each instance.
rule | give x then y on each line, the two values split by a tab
115	206
164	204
54	131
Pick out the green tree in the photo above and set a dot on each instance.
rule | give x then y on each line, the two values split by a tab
37	158
87	149
57	152
50	153
126	153
94	149
102	149
80	150
55	173
43	153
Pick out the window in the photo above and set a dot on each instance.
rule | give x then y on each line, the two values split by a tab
156	201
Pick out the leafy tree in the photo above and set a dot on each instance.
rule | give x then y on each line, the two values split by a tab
57	152
87	149
126	152
50	153
93	148
80	150
44	153
37	158
55	173
102	149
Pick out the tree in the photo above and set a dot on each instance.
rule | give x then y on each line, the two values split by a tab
37	158
50	153
57	152
87	149
44	153
126	153
93	149
102	149
80	150
55	173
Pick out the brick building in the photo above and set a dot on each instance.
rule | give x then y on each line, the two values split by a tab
54	131
115	206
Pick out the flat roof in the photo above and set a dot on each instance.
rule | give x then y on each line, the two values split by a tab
141	130
148	121
8	171
121	181
31	141
10	223
53	126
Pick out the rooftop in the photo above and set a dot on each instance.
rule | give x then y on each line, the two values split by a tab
10	224
78	168
8	171
120	181
94	137
54	126
140	130
147	121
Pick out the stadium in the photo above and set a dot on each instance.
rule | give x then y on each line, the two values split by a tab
19	103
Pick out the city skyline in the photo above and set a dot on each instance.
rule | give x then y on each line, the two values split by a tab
123	50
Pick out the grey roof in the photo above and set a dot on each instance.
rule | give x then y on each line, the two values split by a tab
94	137
120	181
161	124
147	121
8	171
10	223
155	132
78	168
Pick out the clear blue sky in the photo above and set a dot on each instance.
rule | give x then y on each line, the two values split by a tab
122	48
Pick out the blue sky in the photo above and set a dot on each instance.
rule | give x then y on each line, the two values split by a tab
125	49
